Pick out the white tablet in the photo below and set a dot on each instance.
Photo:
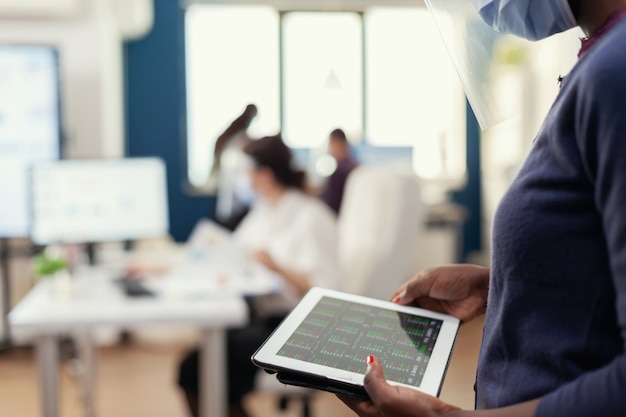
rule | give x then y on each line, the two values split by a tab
324	342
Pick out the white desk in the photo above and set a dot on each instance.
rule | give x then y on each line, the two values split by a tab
95	300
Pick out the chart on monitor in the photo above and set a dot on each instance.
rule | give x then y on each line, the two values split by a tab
91	201
29	126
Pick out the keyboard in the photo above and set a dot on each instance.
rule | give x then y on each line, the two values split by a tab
134	287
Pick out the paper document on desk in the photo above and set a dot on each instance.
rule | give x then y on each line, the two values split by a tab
215	265
207	233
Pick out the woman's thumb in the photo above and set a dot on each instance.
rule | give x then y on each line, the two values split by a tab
375	384
399	298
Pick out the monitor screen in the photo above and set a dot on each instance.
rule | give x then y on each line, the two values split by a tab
29	126
88	201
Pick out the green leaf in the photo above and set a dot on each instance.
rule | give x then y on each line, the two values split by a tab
46	266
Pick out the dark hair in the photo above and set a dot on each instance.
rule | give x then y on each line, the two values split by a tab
339	135
242	122
271	152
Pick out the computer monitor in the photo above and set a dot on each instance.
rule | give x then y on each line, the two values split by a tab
91	201
29	126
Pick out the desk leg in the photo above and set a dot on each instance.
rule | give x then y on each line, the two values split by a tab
48	364
213	377
87	355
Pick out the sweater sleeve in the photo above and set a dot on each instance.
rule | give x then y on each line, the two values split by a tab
600	129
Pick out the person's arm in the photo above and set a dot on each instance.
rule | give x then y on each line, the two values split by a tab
239	124
393	401
301	281
314	251
247	230
459	290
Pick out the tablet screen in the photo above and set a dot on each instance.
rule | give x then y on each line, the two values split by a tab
340	334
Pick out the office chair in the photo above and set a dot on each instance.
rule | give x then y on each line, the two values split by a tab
286	393
380	225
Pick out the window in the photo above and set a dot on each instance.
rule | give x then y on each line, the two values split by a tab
322	73
414	97
231	60
382	75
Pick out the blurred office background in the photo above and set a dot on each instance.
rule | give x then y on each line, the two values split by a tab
163	78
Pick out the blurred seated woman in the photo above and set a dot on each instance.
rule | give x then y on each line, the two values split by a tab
291	233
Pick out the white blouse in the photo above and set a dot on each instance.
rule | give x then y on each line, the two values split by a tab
300	234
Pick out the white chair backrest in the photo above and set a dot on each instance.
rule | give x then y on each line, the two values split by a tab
379	229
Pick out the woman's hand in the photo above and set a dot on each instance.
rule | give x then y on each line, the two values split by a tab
394	401
458	290
300	281
266	260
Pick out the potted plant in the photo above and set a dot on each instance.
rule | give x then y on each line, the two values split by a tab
51	264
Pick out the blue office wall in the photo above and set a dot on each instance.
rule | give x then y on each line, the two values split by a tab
471	196
155	99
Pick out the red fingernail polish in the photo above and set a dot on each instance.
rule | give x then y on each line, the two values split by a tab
396	300
370	360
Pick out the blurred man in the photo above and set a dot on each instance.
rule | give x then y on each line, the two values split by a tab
339	148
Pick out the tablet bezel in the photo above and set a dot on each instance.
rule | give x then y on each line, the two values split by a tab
266	356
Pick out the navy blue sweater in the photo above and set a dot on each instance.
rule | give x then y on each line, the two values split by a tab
556	315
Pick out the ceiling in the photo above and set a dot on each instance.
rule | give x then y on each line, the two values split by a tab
315	5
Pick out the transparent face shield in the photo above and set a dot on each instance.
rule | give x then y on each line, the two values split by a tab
470	43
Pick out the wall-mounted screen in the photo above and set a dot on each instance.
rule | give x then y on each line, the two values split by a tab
29	126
